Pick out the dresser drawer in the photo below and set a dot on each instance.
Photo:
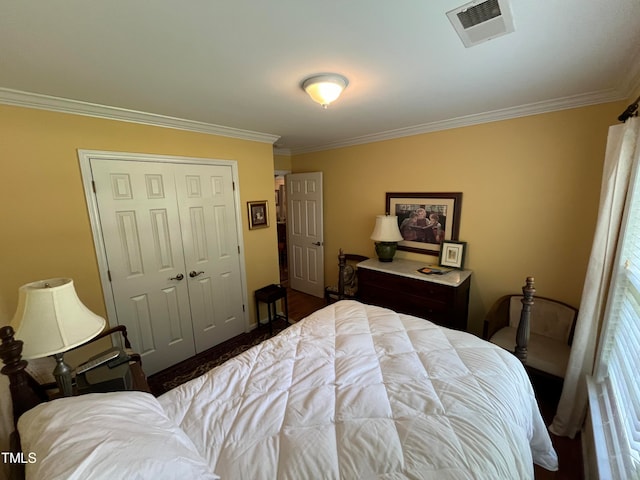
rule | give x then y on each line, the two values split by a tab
445	305
407	286
404	303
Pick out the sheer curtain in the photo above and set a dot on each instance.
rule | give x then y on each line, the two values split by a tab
621	145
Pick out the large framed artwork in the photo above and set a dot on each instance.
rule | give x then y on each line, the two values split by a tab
425	219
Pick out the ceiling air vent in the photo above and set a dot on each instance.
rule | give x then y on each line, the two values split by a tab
477	22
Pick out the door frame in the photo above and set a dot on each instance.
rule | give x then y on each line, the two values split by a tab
85	157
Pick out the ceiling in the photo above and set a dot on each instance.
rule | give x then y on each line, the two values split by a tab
238	64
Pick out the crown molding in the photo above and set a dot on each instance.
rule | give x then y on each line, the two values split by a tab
63	105
282	151
469	120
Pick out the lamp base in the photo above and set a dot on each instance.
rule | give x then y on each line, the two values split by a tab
62	373
386	250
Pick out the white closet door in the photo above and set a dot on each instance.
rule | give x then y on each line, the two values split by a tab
141	233
211	251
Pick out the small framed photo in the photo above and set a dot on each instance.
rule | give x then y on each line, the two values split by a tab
452	254
258	214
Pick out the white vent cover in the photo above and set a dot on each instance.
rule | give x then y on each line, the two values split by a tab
477	22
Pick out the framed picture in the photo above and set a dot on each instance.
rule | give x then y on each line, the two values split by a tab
258	214
425	219
452	254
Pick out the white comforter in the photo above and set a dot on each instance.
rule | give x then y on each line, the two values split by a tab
360	392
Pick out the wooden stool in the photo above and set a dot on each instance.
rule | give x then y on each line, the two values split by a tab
269	295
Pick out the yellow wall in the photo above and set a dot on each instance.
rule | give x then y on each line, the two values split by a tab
43	212
282	162
530	197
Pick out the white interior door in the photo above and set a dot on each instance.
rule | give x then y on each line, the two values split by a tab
171	241
141	234
212	256
305	232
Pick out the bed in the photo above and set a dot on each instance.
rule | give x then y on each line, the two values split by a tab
353	391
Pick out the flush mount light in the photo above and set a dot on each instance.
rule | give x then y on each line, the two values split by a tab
325	88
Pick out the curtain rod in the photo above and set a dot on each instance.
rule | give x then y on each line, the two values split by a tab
631	111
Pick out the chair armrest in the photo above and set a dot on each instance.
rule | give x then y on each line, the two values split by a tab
497	317
135	357
110	331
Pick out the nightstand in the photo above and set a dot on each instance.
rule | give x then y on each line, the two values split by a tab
269	295
126	376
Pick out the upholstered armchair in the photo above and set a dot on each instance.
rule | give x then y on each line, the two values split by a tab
551	327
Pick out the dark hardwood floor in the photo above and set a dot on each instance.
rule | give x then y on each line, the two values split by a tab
569	450
300	304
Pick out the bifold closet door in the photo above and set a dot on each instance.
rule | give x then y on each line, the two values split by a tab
138	209
170	235
211	252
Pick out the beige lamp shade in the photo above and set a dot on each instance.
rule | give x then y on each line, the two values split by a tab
51	318
386	229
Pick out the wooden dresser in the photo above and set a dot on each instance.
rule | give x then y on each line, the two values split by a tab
443	299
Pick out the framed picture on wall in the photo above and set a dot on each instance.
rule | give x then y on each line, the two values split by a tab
258	214
452	254
425	219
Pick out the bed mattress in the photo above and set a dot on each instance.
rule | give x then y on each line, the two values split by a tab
356	392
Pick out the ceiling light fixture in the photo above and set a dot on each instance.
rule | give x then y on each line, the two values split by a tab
325	88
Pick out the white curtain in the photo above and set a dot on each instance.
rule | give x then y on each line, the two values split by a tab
572	408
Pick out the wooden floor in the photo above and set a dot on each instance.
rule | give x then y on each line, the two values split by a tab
569	450
301	304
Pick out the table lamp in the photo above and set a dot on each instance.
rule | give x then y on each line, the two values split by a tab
386	234
50	320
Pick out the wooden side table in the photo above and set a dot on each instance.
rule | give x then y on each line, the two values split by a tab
127	376
270	295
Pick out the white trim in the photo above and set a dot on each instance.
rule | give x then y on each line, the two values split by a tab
57	104
608	455
565	103
63	105
281	151
85	157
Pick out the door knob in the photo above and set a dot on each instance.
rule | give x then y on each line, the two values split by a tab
177	277
317	244
194	274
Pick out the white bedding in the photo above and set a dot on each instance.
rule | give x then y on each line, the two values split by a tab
107	436
359	392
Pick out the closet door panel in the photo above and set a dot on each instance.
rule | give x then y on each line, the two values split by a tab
141	231
211	252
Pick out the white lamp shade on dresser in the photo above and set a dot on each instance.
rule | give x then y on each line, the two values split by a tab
386	229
